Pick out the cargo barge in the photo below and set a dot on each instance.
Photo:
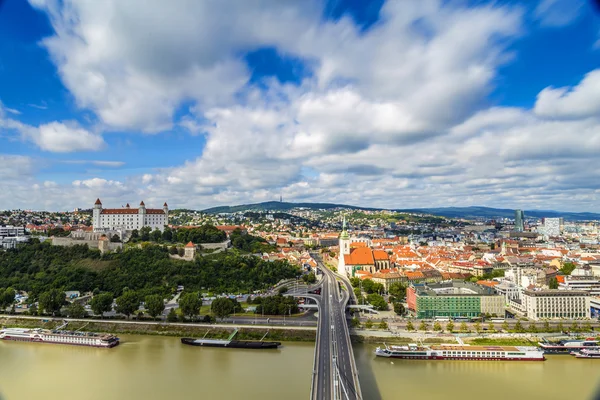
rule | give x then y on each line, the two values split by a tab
235	344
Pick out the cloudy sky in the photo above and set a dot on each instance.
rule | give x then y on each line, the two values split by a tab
395	103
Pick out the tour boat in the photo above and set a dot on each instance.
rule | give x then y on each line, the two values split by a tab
59	336
587	353
462	352
567	346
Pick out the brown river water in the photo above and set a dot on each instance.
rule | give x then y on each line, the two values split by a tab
154	367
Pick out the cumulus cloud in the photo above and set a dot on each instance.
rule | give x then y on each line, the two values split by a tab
63	138
580	101
394	116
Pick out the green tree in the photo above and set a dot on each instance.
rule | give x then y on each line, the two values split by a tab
437	326
491	327
167	234
560	327
369	324
368	286
190	303
173	250
355	282
409	326
423	326
553	283
145	233
399	308
156	235
7	298
377	301
222	307
355	323
547	327
518	327
397	290
587	327
33	310
450	326
135	235
532	328
155	305
478	327
76	310
383	325
172	315
52	301
464	328
505	326
128	303
574	327
567	268
115	238
102	303
309	278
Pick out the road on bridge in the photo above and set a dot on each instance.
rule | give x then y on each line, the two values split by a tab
337	376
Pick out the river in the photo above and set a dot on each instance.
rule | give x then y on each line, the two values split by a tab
154	367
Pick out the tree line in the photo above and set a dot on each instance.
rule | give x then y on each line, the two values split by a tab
40	267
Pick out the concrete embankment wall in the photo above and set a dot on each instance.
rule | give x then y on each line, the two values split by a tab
165	329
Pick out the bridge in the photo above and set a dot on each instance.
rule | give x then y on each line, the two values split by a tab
335	375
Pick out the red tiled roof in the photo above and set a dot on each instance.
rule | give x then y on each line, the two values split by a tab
360	256
190	244
380	255
98	201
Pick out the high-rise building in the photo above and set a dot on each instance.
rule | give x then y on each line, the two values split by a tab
519	221
552	226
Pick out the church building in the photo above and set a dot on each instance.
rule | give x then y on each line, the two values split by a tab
127	218
363	258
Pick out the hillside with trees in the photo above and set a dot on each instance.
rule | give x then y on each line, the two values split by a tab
38	268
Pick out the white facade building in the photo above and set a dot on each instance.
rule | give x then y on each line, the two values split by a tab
127	218
553	304
552	226
11	231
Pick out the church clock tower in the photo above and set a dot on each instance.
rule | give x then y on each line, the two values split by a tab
344	249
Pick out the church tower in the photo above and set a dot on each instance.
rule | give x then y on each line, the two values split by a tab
344	249
166	211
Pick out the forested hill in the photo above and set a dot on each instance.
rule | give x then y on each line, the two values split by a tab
279	206
37	268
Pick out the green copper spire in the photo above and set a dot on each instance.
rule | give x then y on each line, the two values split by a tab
344	234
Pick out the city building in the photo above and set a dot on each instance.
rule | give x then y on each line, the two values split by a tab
519	221
552	226
11	231
580	279
454	299
356	255
552	304
127	218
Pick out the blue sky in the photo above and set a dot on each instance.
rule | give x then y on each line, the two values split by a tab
371	103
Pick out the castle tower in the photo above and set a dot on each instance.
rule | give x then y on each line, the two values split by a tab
142	214
97	211
344	249
166	211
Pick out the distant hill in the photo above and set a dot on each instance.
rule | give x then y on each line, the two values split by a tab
279	206
487	212
449	212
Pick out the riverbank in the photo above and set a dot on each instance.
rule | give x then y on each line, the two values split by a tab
215	331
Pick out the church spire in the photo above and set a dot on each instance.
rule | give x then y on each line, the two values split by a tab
344	234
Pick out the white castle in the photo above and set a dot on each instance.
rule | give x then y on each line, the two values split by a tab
127	218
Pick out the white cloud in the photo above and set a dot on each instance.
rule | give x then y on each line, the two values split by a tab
558	13
395	116
62	138
580	101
